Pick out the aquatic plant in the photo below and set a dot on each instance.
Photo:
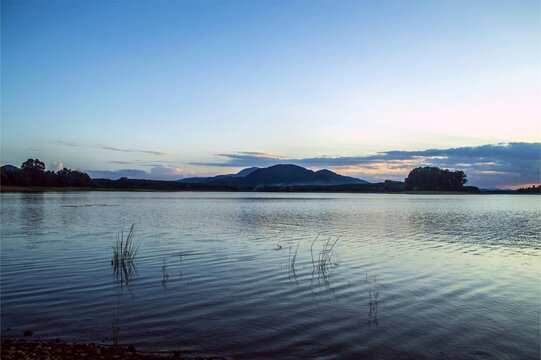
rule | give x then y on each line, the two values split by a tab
325	262
291	262
124	251
312	254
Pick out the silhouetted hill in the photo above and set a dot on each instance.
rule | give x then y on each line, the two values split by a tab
206	180
9	168
245	172
288	175
278	175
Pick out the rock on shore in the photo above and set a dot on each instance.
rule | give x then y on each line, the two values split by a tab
56	350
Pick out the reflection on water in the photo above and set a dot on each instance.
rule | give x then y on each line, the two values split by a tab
373	309
253	279
32	216
373	302
178	257
124	272
165	274
115	325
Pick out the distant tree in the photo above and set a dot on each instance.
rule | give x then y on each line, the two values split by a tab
435	179
68	177
33	165
32	173
534	189
393	186
10	176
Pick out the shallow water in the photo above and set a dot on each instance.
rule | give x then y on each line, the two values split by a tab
411	276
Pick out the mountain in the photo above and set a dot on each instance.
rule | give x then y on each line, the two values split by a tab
207	180
245	172
9	168
278	175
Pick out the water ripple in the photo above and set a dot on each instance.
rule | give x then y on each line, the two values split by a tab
411	277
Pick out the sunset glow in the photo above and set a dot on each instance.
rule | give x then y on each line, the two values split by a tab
170	89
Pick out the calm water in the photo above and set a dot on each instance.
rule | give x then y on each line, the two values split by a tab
450	277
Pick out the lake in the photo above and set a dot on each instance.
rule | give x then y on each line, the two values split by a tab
289	276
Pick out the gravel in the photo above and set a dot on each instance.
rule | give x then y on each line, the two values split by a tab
56	350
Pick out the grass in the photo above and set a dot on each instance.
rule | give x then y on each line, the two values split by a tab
325	263
124	252
291	261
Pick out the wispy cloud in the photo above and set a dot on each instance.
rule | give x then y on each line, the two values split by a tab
246	159
493	165
133	162
68	143
114	148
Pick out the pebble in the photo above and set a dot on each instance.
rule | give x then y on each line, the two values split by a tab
21	349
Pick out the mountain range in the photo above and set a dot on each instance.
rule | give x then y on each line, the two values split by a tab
277	175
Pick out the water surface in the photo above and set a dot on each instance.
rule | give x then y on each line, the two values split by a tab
410	276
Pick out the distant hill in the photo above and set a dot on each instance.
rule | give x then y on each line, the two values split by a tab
278	175
10	168
207	180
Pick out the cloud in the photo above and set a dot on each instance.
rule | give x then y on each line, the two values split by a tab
68	143
247	159
133	162
56	166
492	165
160	172
166	172
113	148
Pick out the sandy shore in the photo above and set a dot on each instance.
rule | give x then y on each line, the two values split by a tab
57	350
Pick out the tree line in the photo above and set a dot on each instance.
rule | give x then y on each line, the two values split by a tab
435	179
33	173
534	189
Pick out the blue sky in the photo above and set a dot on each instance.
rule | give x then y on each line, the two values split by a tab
164	89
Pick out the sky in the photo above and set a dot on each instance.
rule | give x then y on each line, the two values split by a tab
371	89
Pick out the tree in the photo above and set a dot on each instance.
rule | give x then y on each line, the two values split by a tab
435	179
33	165
534	189
34	173
68	177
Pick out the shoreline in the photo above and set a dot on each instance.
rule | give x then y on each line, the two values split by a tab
58	350
38	189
